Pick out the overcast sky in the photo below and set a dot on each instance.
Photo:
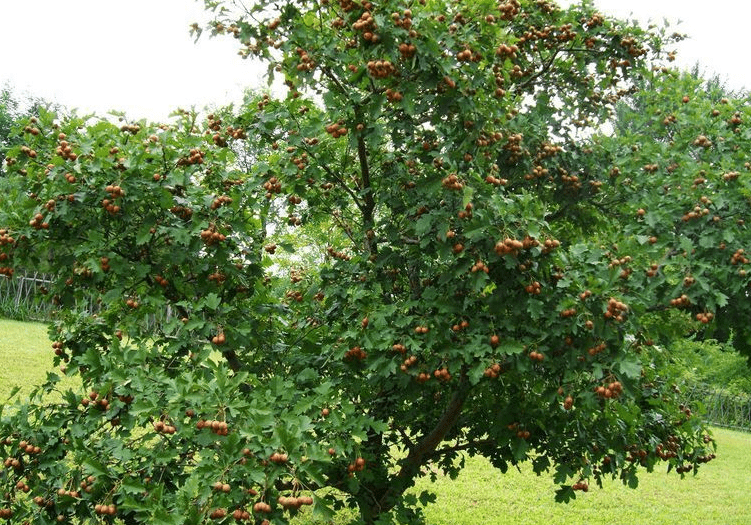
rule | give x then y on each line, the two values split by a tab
137	55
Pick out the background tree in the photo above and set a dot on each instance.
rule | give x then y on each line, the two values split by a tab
486	291
8	115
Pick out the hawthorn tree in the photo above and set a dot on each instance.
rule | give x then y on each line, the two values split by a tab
494	270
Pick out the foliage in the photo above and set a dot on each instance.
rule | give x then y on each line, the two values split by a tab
484	293
8	115
13	109
719	367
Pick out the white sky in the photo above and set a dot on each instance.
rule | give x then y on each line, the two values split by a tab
138	56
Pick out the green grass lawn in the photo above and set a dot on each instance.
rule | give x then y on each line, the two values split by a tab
26	355
720	494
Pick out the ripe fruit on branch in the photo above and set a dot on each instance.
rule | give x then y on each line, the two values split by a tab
569	312
681	301
534	288
381	68
493	371
616	310
336	130
219	428
262	508
407	50
442	374
393	96
211	236
609	391
536	356
355	353
105	510
398	347
164	428
508	246
594	350
411	360
358	465
131	303
580	485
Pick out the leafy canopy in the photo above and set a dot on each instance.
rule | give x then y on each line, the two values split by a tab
487	268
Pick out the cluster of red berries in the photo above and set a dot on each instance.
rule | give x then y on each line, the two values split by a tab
381	68
131	303
219	428
99	402
357	465
508	246
442	374
355	353
580	485
28	448
336	129
534	288
739	257
398	347
407	50
195	156
616	310
37	222
272	186
493	371
211	236
295	295
506	51
568	312
451	182
164	428
466	55
306	63
681	301
220	201
534	355
294	502
411	360
105	510
609	391
490	179
594	350
64	149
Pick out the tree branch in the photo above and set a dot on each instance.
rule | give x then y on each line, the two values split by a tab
426	447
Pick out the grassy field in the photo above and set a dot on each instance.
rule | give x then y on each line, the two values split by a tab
720	494
26	355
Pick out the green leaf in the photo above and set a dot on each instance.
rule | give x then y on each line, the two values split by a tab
631	368
212	301
95	467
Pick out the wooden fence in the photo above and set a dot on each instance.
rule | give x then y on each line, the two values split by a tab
19	294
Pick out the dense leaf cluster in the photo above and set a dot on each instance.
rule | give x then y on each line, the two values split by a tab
486	275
